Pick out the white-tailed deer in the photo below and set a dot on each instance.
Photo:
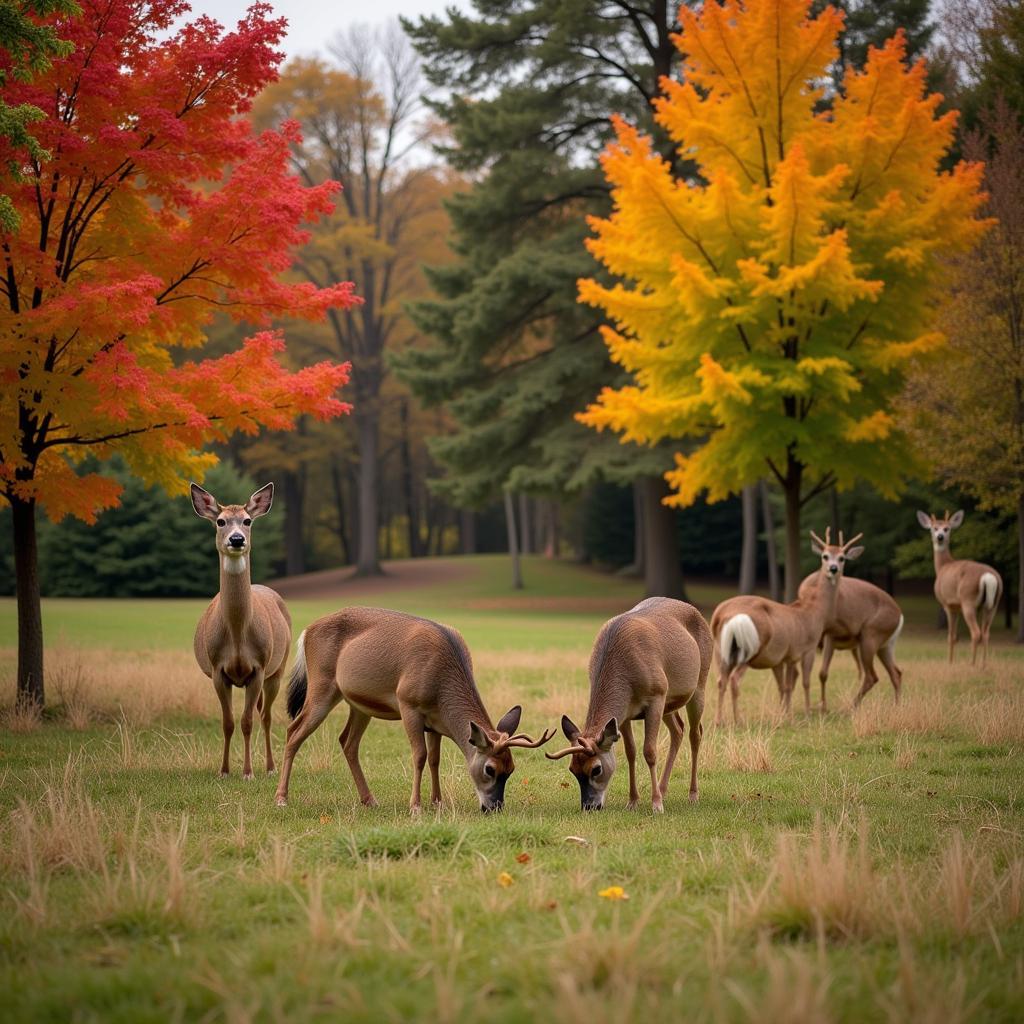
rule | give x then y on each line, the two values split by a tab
962	586
391	665
646	665
754	632
866	621
243	636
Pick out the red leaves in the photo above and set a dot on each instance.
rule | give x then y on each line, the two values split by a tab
160	207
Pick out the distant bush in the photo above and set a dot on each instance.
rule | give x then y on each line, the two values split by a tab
151	546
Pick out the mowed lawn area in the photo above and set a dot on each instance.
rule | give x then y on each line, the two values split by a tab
848	866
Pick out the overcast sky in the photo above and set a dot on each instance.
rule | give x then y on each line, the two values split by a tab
312	25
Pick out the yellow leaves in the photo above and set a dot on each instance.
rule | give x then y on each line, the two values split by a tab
505	880
890	355
615	893
876	427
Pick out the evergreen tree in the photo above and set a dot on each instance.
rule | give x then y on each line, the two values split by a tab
529	90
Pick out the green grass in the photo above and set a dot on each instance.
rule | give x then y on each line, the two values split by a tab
872	870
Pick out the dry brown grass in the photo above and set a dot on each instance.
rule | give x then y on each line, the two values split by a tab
748	749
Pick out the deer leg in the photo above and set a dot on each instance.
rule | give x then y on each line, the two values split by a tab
414	729
987	617
724	675
734	687
674	723
227	720
828	648
867	660
320	700
270	687
779	671
434	761
252	692
885	656
952	618
349	740
694	713
790	677
971	618
629	745
652	722
806	667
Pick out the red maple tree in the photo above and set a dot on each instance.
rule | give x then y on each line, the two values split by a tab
159	205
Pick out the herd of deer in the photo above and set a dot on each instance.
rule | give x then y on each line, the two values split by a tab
648	664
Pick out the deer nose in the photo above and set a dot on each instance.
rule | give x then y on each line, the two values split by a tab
236	540
833	569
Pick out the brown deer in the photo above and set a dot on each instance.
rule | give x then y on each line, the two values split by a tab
962	586
868	622
754	632
646	665
390	665
243	636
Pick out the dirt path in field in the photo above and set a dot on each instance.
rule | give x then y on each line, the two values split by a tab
404	574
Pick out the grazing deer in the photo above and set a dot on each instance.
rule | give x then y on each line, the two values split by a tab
646	664
961	585
391	665
754	632
243	636
866	621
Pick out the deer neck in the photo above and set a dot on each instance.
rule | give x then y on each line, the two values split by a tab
823	603
943	556
235	593
462	705
608	699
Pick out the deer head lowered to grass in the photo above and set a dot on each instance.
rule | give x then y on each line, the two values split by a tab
754	632
962	585
390	665
646	664
243	636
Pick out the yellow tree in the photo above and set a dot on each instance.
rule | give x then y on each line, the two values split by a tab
767	306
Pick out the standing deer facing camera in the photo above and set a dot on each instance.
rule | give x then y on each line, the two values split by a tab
390	665
961	585
243	636
646	665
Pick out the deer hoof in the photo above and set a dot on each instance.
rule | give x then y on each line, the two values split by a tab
224	773
694	797
415	810
632	805
247	776
658	808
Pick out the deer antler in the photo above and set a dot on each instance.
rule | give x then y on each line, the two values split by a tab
852	540
818	540
574	749
522	740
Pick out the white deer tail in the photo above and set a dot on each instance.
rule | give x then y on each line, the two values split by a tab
988	590
298	682
739	641
890	644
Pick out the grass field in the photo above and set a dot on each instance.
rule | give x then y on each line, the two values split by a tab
853	866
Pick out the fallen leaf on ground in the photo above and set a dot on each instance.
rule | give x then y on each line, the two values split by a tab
578	840
613	892
505	880
523	858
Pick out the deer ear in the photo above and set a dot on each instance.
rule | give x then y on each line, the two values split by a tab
815	545
510	720
260	503
924	519
570	728
958	518
609	737
478	738
855	552
204	503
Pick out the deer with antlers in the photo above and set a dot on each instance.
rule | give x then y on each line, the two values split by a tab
754	632
867	622
243	636
646	665
962	585
390	665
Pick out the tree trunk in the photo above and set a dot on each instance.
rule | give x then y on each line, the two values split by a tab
513	543
368	560
663	575
553	540
339	507
30	615
748	555
1020	568
467	531
294	553
525	531
408	492
833	509
769	543
794	480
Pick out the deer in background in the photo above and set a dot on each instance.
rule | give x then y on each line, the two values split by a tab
754	632
646	665
390	665
961	585
867	621
244	635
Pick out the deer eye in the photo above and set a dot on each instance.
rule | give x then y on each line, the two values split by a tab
595	771
824	558
247	522
220	522
489	771
841	558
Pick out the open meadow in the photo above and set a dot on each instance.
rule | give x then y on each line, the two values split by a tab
853	866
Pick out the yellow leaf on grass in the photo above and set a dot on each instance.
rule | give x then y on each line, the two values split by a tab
613	892
505	880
